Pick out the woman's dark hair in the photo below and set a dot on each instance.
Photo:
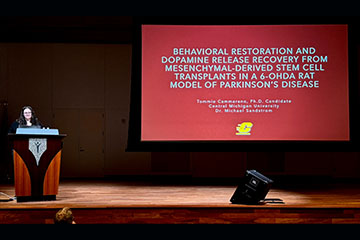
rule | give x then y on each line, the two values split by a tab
34	120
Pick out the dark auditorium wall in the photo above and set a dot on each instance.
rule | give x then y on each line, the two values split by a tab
82	89
76	74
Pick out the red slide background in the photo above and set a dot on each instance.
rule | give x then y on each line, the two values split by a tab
170	114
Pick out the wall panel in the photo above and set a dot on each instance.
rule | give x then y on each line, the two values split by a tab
29	72
117	107
78	76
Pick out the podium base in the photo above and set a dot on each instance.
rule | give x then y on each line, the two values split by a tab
36	198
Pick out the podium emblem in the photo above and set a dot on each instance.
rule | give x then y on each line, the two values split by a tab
37	147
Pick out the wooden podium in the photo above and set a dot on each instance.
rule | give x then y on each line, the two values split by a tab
37	159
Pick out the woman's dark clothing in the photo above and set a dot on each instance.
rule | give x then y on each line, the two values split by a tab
15	125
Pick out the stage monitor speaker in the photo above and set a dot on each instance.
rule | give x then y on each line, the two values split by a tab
253	190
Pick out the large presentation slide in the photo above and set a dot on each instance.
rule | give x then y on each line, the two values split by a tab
245	83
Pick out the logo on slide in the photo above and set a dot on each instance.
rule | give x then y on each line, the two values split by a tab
244	128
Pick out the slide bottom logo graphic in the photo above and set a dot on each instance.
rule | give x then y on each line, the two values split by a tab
244	128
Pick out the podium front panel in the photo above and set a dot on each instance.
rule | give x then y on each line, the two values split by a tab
37	161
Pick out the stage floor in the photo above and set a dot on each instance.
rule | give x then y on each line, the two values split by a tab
100	201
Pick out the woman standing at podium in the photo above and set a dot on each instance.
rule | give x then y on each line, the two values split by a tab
27	119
